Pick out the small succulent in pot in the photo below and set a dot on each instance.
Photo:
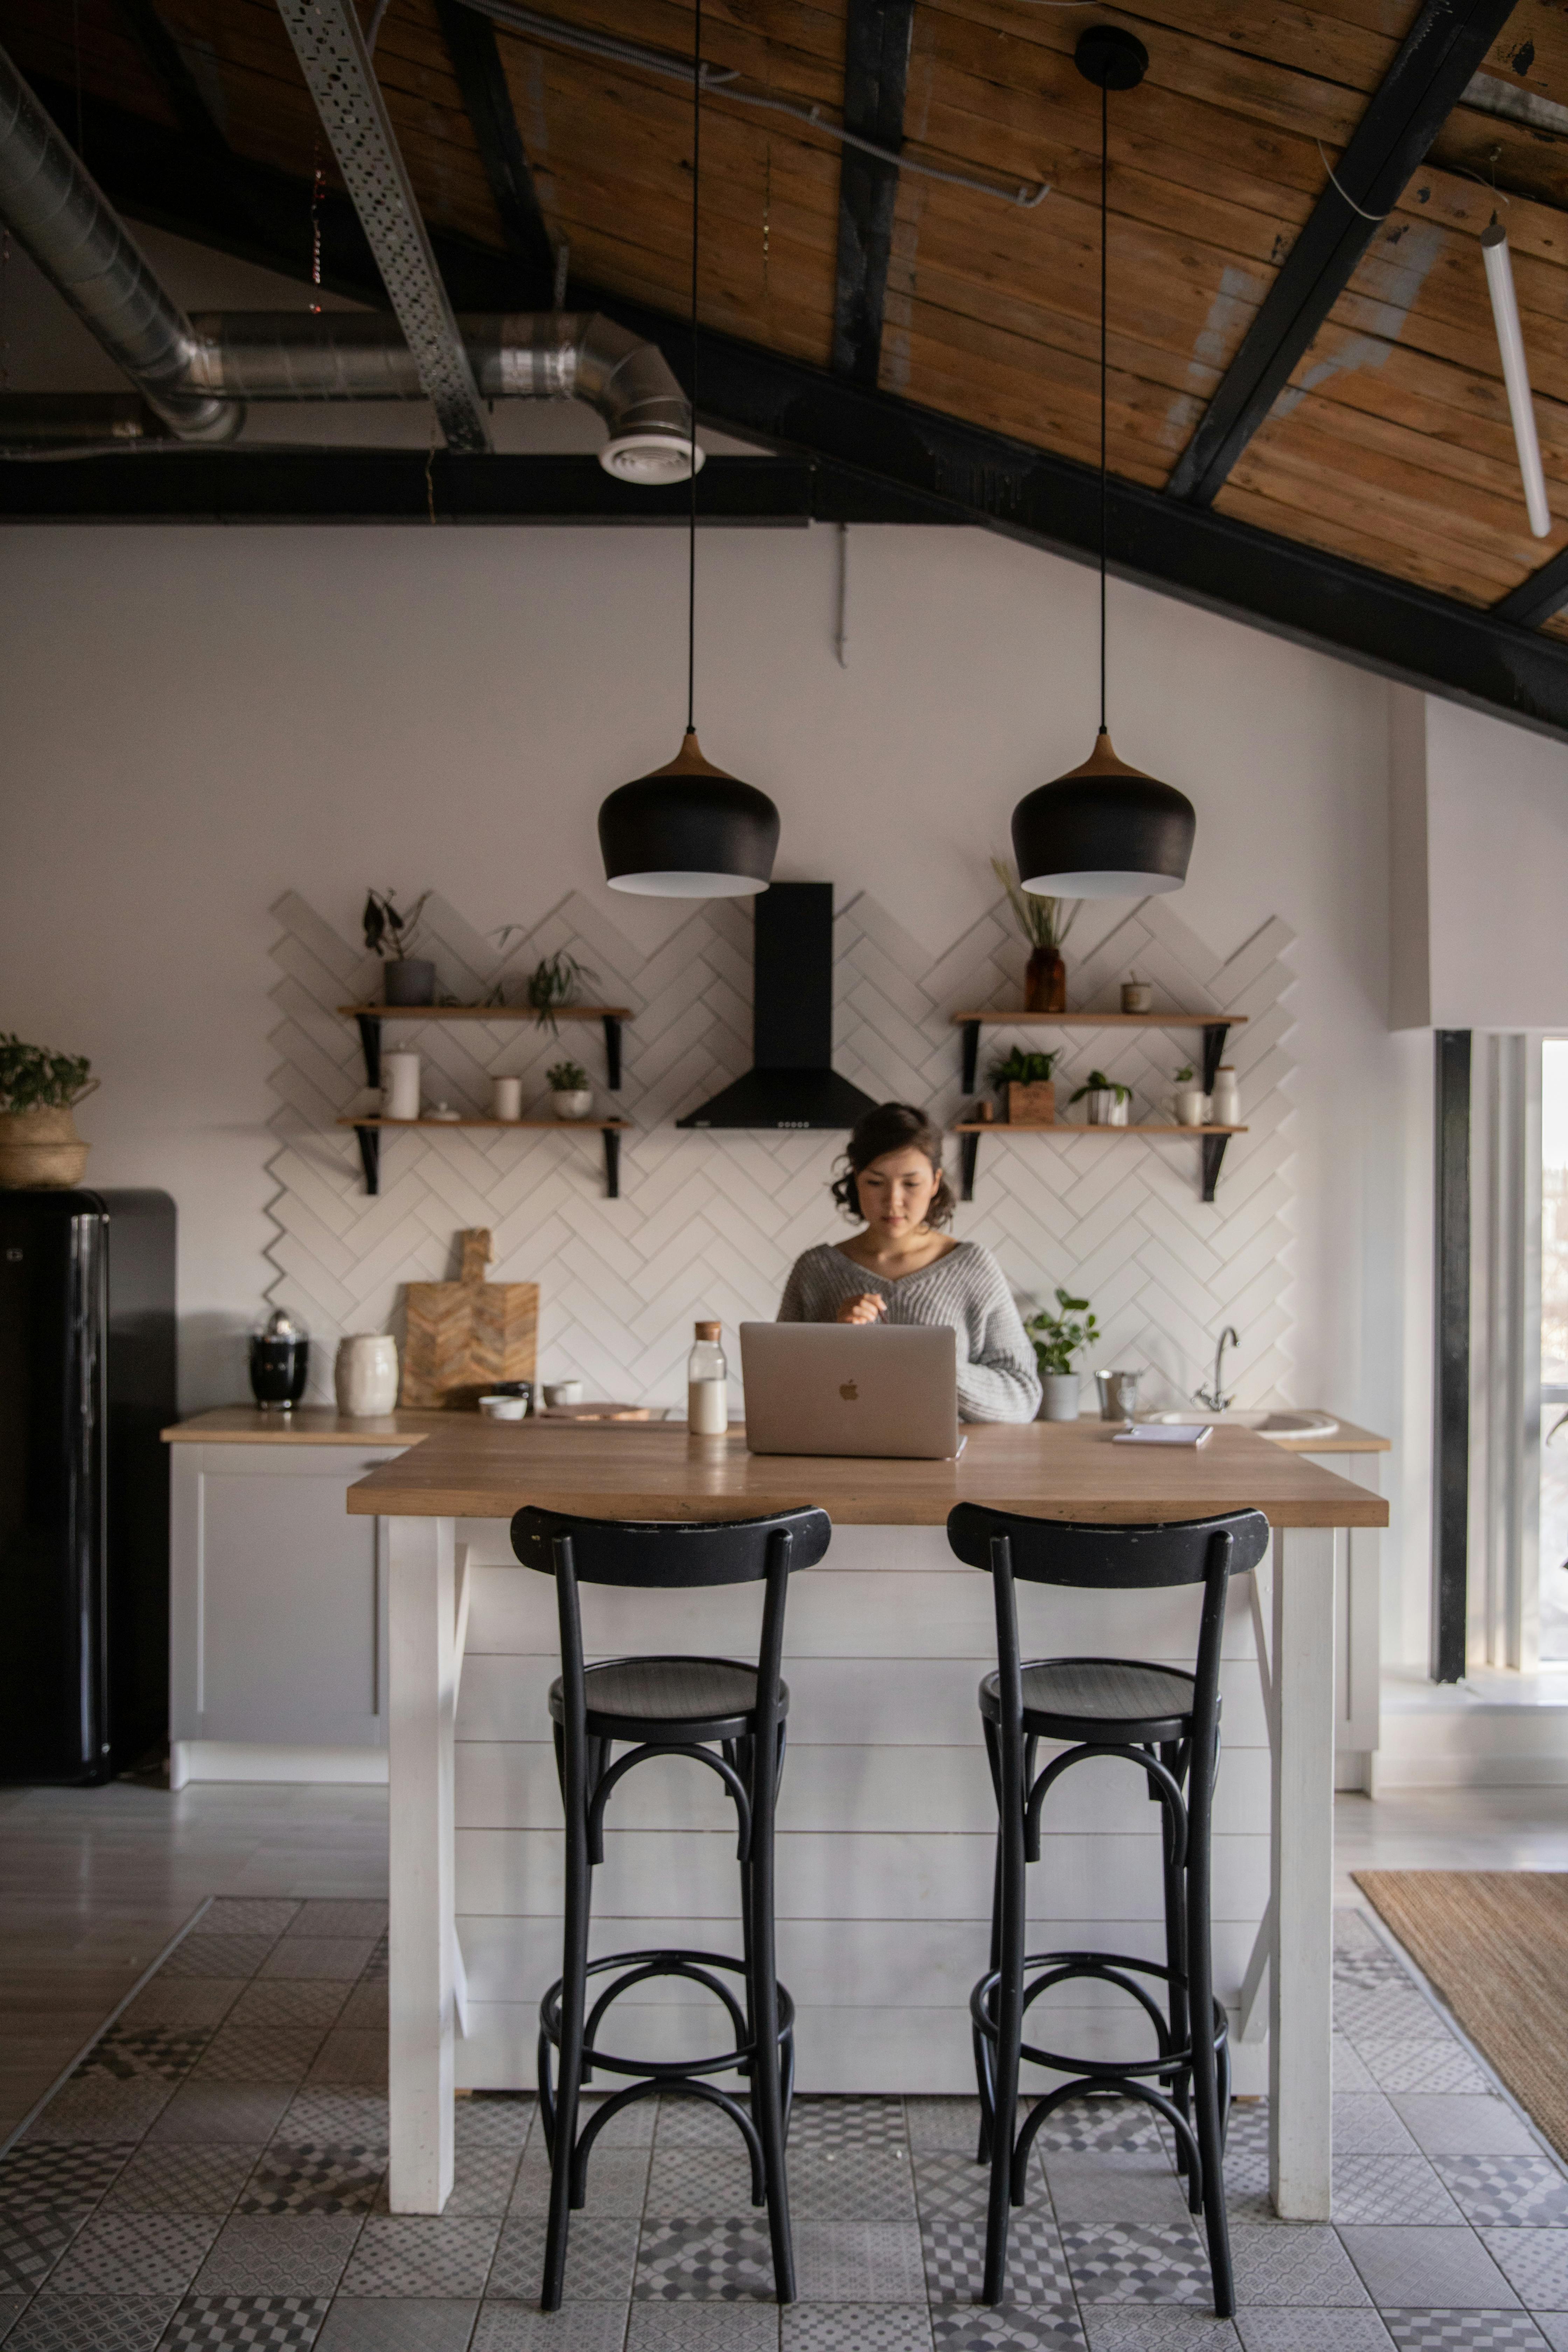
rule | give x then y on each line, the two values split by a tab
1105	1099
1191	1103
571	1095
40	1147
391	932
1057	1340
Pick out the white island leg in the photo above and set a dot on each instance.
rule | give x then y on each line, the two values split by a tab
420	1995
1302	1975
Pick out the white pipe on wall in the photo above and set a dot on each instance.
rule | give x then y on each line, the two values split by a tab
1516	374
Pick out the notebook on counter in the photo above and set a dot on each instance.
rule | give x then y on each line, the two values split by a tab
1165	1432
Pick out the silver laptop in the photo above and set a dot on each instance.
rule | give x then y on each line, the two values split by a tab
849	1388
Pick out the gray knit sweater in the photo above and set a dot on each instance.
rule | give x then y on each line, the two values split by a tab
996	1376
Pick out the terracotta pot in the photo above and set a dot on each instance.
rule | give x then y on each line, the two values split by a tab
40	1150
1046	983
1032	1104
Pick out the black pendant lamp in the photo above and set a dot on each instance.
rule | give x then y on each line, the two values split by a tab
1104	830
690	831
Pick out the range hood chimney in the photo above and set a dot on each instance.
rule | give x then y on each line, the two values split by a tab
793	1083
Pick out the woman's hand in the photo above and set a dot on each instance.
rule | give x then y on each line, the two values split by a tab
866	1309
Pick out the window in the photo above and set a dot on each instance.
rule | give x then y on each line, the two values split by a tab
1555	1349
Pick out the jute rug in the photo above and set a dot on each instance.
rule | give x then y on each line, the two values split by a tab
1494	1943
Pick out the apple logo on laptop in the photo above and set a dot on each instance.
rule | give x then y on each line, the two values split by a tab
848	1392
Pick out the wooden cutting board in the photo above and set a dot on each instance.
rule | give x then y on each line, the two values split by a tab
465	1337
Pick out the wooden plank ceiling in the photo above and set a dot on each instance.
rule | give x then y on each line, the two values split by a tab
1391	448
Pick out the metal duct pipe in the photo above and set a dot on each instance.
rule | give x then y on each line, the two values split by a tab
57	212
264	355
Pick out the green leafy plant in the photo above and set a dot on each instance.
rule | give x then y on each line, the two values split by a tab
1097	1083
33	1078
391	931
555	981
1185	1075
565	1078
1020	1069
1043	922
1058	1338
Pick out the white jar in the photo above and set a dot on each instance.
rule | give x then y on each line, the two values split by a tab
1193	1107
400	1086
365	1375
707	1384
506	1097
1226	1105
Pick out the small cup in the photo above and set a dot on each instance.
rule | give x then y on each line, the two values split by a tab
562	1391
1137	996
504	1408
1118	1394
506	1097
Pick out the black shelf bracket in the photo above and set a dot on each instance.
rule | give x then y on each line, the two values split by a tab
369	1142
1214	1054
968	1159
611	1056
370	1046
970	1032
1214	1153
612	1159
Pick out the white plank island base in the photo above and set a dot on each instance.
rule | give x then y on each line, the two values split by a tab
886	1818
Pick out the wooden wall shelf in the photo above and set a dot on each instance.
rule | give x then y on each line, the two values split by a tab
1212	1138
370	1017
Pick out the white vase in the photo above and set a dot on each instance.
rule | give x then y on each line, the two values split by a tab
1058	1399
1226	1101
506	1097
400	1086
1193	1107
365	1375
1106	1107
572	1102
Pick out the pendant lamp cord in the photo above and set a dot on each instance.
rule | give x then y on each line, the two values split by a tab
691	523
1104	221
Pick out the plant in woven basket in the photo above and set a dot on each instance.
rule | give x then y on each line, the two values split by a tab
33	1078
38	1091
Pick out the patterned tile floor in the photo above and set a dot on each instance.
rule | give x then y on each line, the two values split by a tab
212	2175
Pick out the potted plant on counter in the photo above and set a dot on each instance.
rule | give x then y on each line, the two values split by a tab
390	932
40	1147
1058	1339
1026	1080
571	1095
1104	1099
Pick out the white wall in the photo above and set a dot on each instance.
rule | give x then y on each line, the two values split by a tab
198	721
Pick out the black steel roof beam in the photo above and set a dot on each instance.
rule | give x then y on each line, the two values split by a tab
877	35
1536	599
475	57
1446	44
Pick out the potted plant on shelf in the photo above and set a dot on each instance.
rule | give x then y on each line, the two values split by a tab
1045	923
390	931
1105	1099
1191	1103
571	1095
1026	1080
40	1147
1058	1339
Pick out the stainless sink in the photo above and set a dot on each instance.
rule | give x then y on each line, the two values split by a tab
1280	1422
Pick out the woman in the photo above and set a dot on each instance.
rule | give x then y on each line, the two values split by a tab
905	1269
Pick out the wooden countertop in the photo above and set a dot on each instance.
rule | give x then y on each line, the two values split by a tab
475	1469
308	1424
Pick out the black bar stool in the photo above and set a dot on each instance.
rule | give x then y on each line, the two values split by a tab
1166	1722
728	1715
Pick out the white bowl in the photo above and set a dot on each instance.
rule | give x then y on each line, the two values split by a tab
504	1408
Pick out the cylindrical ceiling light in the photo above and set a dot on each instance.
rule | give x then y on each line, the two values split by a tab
1104	830
690	831
1515	373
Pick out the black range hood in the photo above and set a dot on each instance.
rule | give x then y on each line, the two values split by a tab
793	1083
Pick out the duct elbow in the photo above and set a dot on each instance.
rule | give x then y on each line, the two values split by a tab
636	390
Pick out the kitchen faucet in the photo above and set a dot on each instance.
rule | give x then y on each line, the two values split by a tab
1216	1401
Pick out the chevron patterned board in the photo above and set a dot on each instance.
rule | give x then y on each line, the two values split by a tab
708	1223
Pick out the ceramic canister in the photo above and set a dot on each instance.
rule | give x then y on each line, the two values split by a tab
400	1086
365	1374
506	1097
1225	1110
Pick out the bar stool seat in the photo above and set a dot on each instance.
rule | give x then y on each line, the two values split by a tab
1098	1699
674	1698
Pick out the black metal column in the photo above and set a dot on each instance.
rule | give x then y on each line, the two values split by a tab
1451	1354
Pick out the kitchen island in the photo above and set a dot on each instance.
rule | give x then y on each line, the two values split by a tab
887	1814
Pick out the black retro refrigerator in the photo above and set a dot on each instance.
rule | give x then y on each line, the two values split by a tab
87	1383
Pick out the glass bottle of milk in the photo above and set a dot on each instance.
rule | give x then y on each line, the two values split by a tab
707	1389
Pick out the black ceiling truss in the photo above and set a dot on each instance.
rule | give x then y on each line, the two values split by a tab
877	36
873	457
477	61
1539	597
1448	43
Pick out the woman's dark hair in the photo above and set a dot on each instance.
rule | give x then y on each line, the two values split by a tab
893	1127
